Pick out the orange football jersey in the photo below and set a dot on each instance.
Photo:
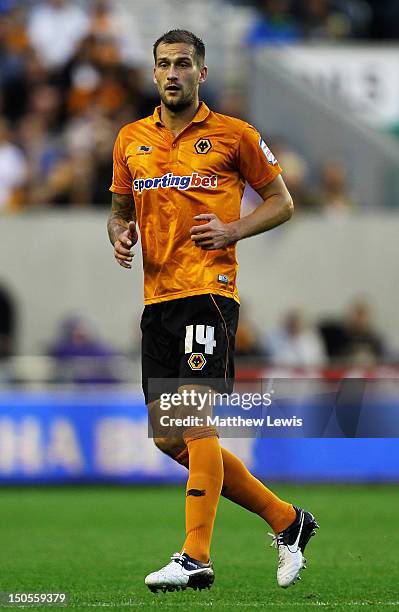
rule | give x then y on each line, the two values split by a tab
173	179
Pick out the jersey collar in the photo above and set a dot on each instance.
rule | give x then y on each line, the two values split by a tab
200	116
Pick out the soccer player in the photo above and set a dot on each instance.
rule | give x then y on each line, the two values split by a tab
180	174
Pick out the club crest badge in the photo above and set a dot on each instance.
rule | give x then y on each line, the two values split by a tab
196	361
203	146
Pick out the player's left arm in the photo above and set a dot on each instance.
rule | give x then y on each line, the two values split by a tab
277	208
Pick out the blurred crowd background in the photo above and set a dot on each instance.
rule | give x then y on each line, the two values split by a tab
72	73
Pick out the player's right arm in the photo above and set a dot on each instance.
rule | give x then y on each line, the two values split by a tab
122	228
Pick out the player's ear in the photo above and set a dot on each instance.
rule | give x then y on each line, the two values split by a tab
153	76
203	74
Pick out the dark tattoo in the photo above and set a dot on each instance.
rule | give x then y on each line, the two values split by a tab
122	211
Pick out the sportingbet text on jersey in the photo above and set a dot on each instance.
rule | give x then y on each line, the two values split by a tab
182	183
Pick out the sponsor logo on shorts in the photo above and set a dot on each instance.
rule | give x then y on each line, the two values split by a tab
182	183
196	361
268	154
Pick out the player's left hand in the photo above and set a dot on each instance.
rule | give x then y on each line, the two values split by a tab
212	235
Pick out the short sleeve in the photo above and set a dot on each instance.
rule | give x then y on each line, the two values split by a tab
121	177
256	162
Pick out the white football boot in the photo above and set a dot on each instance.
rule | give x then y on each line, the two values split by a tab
181	573
291	544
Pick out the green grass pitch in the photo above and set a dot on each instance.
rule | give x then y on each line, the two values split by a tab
99	543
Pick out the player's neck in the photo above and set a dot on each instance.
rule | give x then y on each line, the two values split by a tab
176	122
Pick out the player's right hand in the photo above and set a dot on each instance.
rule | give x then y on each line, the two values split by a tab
123	246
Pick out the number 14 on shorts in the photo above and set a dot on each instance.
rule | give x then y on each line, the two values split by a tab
204	334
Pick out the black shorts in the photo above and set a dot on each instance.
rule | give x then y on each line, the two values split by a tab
189	340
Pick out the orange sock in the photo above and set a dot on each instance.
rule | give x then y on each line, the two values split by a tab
202	495
247	491
244	489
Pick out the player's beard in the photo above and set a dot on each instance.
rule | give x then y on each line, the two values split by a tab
178	106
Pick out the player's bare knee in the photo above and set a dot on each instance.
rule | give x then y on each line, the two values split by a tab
197	433
170	446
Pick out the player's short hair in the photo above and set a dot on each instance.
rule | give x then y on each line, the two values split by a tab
182	36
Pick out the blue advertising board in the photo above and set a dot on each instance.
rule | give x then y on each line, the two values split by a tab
92	436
